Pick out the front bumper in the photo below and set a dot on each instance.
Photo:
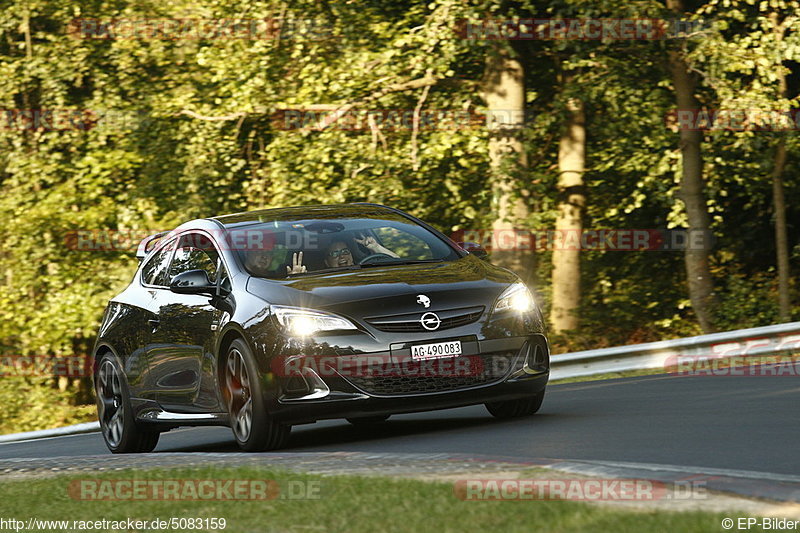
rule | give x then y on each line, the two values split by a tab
491	370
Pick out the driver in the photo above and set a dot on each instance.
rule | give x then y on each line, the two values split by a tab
265	263
258	262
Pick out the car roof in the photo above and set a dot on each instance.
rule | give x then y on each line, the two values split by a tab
305	213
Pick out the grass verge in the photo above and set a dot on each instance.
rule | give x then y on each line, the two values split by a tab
342	503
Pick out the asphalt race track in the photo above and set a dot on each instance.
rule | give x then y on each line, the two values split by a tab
739	423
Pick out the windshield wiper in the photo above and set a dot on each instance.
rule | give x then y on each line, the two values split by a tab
324	271
401	262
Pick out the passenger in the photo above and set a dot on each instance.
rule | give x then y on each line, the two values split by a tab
339	255
297	266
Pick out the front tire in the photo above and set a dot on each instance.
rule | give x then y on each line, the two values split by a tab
253	428
120	431
516	408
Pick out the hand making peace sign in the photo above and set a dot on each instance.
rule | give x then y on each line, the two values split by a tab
297	264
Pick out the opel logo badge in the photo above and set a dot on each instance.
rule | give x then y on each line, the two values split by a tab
430	321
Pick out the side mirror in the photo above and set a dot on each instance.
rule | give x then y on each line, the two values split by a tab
475	249
192	282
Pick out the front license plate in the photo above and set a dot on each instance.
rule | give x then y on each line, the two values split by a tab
436	350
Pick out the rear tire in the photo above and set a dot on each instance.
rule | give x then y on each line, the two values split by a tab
366	421
121	432
253	428
516	408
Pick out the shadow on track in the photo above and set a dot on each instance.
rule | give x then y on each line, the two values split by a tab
338	435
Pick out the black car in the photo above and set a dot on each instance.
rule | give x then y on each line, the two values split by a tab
271	318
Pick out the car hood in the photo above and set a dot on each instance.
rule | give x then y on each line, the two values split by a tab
388	290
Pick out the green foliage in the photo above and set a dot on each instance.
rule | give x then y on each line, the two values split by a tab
32	403
747	301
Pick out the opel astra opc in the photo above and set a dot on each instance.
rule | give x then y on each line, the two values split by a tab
267	319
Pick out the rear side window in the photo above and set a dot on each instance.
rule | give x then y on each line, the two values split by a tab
195	252
154	271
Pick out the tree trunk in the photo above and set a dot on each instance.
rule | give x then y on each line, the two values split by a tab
781	239
698	273
778	201
504	93
566	262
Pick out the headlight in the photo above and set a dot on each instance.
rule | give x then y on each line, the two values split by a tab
302	322
517	298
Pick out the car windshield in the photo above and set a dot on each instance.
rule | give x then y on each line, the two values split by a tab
282	248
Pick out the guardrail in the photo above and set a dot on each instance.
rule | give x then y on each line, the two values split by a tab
77	429
765	340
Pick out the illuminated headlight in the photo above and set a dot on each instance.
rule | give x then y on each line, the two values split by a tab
516	298
302	322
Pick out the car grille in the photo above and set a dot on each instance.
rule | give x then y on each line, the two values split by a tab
409	381
410	323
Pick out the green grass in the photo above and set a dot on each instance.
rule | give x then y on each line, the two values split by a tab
346	503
